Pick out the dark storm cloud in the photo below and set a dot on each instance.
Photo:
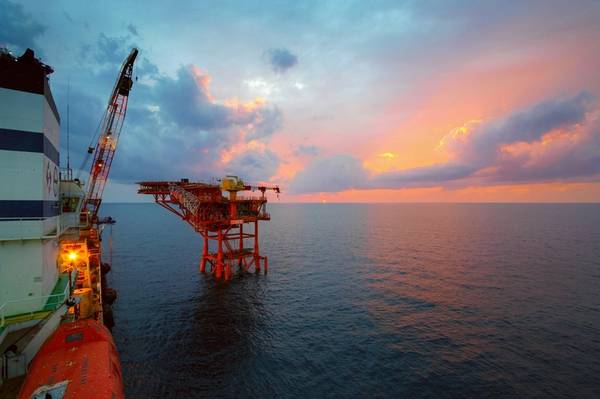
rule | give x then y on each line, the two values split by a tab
281	59
480	153
18	30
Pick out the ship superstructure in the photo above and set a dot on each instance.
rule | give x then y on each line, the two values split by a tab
52	279
32	287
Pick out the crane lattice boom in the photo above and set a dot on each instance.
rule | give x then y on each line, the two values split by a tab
111	126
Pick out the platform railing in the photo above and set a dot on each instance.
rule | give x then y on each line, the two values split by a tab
43	301
250	198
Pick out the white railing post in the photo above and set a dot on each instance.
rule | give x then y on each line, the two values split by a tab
2	315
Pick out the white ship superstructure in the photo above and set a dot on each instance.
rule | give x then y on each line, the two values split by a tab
33	290
55	306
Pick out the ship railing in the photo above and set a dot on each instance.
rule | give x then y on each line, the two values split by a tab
48	303
22	229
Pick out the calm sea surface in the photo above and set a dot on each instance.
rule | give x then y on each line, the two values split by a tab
365	301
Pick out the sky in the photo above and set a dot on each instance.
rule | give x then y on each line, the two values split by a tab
334	101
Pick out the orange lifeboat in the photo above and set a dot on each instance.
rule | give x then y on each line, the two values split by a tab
79	360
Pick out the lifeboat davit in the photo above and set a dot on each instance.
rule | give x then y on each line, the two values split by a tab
79	360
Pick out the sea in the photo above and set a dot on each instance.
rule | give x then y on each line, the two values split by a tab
364	301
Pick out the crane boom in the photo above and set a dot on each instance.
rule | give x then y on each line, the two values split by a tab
109	136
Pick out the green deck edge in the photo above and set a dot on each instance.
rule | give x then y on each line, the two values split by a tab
23	317
52	304
55	301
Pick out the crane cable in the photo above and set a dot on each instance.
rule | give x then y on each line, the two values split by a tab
94	140
96	135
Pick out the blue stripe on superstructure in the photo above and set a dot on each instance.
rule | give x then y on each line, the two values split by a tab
28	209
20	140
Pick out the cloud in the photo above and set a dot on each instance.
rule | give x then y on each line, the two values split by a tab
176	127
187	102
564	155
336	173
422	177
254	166
133	30
111	49
306	150
555	140
281	59
68	17
18	30
268	120
482	143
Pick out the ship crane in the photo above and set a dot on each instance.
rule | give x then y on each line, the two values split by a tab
111	126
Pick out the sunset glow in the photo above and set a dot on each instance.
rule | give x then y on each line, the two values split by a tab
410	103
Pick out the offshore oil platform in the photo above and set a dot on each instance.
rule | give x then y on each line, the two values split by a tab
218	218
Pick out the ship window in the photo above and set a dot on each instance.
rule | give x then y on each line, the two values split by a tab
74	337
69	204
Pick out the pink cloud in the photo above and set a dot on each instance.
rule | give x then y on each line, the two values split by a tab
555	140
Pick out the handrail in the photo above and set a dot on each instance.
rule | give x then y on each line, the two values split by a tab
250	198
20	232
44	302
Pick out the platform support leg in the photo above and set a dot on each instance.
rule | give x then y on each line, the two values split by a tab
204	253
219	270
256	249
241	246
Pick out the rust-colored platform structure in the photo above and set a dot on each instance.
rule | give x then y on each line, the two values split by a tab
218	218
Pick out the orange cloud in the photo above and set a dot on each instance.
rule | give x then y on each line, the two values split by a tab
542	192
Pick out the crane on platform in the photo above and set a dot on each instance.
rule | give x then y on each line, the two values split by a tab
232	184
110	129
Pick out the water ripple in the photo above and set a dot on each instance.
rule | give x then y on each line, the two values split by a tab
366	301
